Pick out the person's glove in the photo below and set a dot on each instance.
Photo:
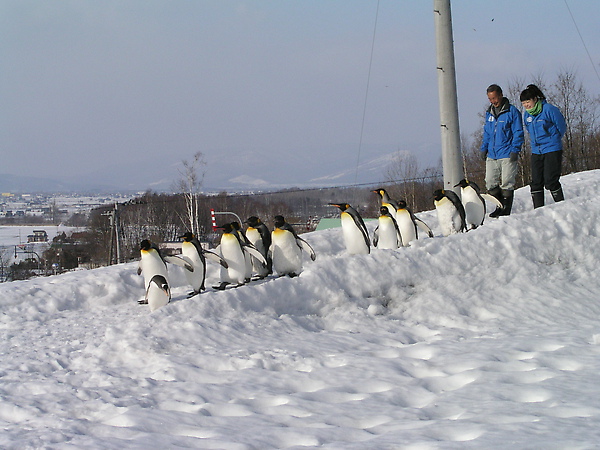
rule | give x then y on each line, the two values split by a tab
514	157
483	156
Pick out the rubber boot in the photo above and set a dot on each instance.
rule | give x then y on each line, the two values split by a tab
507	200
497	192
538	199
558	195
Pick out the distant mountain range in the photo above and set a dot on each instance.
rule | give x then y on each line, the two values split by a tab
245	172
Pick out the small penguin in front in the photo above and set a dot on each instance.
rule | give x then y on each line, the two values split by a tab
354	230
473	203
259	235
450	211
286	249
408	223
154	269
197	256
387	234
386	201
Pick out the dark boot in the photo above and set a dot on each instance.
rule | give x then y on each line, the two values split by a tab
558	195
507	200
497	192
538	199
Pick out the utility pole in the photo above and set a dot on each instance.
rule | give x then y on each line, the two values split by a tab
451	150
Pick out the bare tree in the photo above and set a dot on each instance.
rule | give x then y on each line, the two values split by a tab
190	184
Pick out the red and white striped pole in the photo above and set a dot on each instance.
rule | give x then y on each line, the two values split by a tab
214	220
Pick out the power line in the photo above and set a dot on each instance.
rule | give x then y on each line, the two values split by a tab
582	40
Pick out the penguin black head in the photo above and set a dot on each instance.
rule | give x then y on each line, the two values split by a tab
235	225
438	195
462	183
380	192
253	221
279	221
384	211
402	204
342	206
145	245
227	228
187	237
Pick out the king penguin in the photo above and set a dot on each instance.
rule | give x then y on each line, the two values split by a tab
408	223
450	211
387	234
154	269
354	230
473	203
197	256
259	235
286	249
386	201
232	252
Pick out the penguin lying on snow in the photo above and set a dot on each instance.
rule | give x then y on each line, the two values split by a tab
356	236
450	211
154	269
286	249
387	234
197	256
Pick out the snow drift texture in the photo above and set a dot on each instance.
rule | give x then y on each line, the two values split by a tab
487	339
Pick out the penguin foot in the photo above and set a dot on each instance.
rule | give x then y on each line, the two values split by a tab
292	274
247	280
143	302
192	294
221	287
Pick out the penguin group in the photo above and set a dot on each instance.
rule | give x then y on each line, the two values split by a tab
256	252
243	256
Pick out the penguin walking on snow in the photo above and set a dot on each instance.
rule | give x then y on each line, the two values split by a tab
450	211
286	249
356	236
387	234
154	269
408	224
473	203
259	235
197	256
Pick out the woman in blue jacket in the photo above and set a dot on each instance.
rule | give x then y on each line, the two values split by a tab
546	126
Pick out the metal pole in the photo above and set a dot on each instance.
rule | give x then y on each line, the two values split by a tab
451	152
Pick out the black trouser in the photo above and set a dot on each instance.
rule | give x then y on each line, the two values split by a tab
545	171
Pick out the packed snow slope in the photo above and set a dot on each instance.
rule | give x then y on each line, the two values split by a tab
487	339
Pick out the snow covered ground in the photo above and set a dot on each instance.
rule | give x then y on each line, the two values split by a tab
487	339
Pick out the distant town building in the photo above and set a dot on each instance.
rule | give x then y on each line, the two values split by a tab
38	236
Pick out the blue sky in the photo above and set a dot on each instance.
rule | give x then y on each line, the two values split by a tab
257	85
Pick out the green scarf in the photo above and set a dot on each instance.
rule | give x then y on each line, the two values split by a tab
537	108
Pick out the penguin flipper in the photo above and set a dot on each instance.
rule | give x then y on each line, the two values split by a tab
139	271
180	261
376	237
493	200
306	246
360	224
216	258
251	250
423	226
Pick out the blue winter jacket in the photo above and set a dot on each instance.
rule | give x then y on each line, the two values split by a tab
502	135
546	129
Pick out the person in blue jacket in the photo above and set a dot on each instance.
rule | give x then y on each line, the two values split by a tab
546	126
502	141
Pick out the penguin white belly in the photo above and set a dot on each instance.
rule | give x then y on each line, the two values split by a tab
255	238
353	237
195	278
388	235
151	265
287	256
448	217
406	226
231	251
474	207
158	293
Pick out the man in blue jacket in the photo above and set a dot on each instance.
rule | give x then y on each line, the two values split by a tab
502	141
